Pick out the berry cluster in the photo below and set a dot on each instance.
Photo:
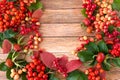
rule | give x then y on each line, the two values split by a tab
36	70
59	67
11	15
85	40
95	73
15	74
105	16
29	25
90	8
33	42
115	52
29	2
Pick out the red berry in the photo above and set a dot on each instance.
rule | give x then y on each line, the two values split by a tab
16	47
100	57
32	65
34	74
30	74
9	63
43	68
86	22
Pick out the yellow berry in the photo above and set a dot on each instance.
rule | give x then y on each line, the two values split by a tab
24	70
25	50
35	47
39	39
19	71
12	75
38	23
73	52
36	42
35	38
16	77
12	70
27	19
85	37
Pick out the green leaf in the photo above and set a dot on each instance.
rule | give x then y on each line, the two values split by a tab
52	77
116	61
103	47
109	46
1	39
92	47
85	55
1	36
77	75
116	5
8	74
3	67
118	29
83	12
9	33
12	40
106	66
35	6
111	29
47	70
24	76
10	55
118	36
103	34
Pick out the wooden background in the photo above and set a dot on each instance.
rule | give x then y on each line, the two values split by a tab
61	29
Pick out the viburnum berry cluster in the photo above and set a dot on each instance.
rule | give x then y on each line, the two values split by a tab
36	70
13	15
33	42
15	74
30	25
29	2
104	48
95	73
89	10
115	52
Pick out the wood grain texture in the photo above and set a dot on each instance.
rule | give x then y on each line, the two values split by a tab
64	30
60	28
62	44
62	4
62	16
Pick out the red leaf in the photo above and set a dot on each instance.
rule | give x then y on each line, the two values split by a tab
6	46
47	58
73	65
63	60
37	14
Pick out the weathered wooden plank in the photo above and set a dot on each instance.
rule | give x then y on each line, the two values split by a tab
61	4
3	57
63	30
62	44
62	16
